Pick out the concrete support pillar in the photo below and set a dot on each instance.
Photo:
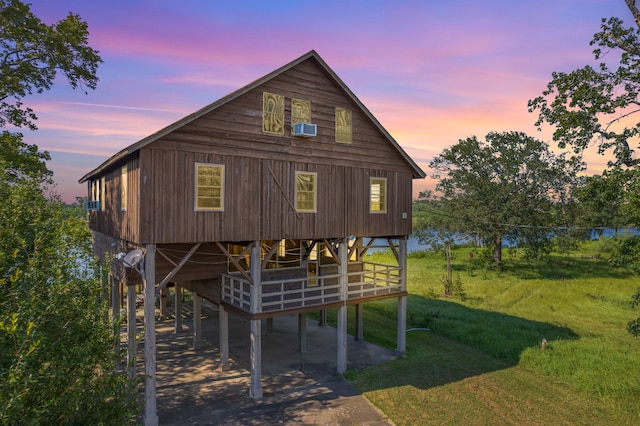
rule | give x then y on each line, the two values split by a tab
132	348
402	300
302	332
342	310
150	411
197	321
178	309
359	322
224	338
255	392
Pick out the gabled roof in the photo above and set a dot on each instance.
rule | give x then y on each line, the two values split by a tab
417	171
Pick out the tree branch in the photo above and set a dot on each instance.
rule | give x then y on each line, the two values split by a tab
631	4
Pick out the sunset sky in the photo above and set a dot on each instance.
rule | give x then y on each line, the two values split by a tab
431	71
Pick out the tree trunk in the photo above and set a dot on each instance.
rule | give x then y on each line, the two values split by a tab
497	250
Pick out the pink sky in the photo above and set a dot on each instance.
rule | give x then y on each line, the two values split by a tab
432	72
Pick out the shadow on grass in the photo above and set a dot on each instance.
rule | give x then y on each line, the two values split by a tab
448	342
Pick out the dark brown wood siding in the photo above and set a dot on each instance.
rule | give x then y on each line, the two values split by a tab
260	198
112	220
260	173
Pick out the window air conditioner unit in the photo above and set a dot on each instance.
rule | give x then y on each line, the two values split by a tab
93	205
305	129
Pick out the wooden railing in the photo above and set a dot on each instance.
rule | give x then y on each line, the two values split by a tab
376	279
281	294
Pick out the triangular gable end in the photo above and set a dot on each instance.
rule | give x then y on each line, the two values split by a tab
416	170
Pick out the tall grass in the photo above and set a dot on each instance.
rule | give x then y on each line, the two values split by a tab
577	303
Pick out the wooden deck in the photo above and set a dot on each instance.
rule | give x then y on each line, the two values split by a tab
284	294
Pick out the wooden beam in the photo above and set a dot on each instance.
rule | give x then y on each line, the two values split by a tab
359	322
178	309
267	257
285	194
150	412
342	310
167	257
307	249
402	300
332	250
197	321
131	331
302	332
394	250
234	261
179	266
255	355
223	317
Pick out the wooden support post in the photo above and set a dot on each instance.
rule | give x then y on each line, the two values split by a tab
302	332
150	412
115	311
224	338
197	321
178	309
115	297
269	325
323	318
255	392
402	301
164	299
359	322
131	331
342	310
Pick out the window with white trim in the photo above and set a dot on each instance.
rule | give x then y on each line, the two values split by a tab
209	187
306	191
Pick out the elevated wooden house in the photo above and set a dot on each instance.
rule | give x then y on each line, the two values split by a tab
263	202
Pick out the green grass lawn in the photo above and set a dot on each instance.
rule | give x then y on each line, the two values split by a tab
481	361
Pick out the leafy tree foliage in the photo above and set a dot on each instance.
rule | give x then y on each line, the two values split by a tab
509	185
31	55
22	160
600	104
433	226
56	341
57	363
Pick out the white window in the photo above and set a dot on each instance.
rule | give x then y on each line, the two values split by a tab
209	187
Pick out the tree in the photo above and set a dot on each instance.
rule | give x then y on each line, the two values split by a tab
600	104
510	185
57	364
56	341
31	55
433	226
22	160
